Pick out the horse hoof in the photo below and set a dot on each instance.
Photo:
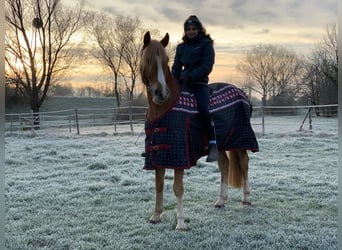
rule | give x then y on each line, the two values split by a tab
219	206
155	218
181	229
246	203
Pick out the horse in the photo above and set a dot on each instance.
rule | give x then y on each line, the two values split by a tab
174	139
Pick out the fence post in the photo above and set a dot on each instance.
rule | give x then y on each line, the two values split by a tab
263	104
130	115
308	114
310	118
115	116
21	123
77	126
69	123
32	122
11	121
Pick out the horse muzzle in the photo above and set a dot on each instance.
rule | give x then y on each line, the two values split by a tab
159	95
160	98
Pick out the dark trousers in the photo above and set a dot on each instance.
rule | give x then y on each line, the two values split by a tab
201	93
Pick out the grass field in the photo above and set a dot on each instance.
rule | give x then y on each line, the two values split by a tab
88	191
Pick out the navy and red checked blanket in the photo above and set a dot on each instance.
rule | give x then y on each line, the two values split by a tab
175	140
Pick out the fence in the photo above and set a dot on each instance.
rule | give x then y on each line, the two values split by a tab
74	120
305	113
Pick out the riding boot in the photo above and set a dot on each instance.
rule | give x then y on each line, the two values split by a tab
212	149
213	152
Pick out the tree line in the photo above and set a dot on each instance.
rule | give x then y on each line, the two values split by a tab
282	77
43	43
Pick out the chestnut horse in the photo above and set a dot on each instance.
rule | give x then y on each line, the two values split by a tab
169	121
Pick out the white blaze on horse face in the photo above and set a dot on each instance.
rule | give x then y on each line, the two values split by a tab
161	78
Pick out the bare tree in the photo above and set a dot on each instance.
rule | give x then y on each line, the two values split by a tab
117	43
313	79
131	32
37	35
274	70
287	75
321	74
258	67
329	54
106	48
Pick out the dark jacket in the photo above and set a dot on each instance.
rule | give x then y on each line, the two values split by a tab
195	58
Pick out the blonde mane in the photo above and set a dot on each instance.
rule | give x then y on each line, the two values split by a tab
162	88
148	63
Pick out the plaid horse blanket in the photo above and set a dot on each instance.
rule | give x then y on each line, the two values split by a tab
176	140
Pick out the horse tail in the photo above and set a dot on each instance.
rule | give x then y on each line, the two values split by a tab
238	167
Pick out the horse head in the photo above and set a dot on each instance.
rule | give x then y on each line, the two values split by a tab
154	68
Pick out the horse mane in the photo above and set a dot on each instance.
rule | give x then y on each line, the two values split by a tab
149	53
153	53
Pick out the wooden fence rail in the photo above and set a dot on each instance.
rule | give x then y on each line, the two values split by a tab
76	119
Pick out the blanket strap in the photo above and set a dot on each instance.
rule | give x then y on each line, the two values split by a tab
158	147
150	131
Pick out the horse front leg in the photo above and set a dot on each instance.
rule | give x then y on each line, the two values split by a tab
223	164
178	189
159	190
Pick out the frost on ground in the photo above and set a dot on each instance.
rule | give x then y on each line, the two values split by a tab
89	191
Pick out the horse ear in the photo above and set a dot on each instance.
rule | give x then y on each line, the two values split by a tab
147	38
165	40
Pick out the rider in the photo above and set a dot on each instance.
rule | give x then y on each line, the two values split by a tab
192	65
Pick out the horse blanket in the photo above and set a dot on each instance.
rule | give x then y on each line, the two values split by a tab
176	140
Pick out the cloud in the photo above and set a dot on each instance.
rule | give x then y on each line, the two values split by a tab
235	25
237	13
228	15
261	31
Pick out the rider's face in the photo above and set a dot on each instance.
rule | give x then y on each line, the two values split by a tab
191	31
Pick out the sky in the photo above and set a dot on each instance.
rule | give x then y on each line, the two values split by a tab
235	25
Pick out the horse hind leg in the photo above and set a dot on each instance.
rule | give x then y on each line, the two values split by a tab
178	189
238	173
159	189
223	164
246	192
244	161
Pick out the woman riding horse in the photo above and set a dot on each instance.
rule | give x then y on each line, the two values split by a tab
174	137
192	65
